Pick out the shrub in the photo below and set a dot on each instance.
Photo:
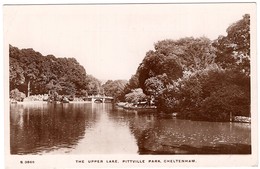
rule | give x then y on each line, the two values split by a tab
17	95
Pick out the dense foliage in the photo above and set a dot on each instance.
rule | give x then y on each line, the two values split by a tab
233	50
16	95
199	78
32	73
214	95
114	88
135	96
93	85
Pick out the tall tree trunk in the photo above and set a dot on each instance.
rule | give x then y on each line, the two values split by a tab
28	89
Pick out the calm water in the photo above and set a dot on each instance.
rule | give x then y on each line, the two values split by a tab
85	128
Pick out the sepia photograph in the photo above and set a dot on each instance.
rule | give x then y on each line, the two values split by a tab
123	85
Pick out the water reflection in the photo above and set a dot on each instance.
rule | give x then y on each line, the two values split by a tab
175	136
85	128
108	136
45	127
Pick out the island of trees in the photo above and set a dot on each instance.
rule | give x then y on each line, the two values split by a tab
197	78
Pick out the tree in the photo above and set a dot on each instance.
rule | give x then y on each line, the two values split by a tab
157	64
32	73
213	95
16	74
133	82
114	88
93	85
190	53
171	61
176	58
17	95
233	50
135	96
24	63
228	101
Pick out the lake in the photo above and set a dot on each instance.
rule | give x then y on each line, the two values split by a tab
101	128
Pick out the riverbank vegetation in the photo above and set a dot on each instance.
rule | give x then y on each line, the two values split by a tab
198	78
31	73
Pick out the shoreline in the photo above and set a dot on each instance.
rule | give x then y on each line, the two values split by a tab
45	102
236	119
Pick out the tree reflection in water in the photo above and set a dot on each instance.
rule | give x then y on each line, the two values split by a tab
45	127
167	135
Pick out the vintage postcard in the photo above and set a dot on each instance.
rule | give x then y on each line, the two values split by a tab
130	85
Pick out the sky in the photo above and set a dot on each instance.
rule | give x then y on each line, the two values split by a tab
110	41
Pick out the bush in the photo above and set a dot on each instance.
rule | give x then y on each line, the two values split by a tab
38	97
215	96
135	96
211	95
17	95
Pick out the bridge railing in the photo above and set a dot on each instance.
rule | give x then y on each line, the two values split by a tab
100	96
